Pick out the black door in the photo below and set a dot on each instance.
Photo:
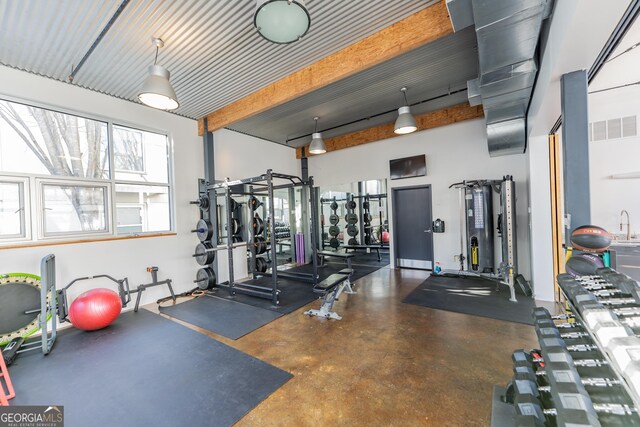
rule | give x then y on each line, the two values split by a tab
412	234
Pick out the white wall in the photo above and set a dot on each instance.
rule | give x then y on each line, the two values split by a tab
172	254
454	153
578	31
614	156
239	156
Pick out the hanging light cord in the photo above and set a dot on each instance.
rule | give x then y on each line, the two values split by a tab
155	61
406	102
315	129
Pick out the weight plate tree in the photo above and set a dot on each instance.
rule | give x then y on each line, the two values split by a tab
205	230
352	220
366	222
334	229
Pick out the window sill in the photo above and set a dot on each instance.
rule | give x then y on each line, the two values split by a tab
73	242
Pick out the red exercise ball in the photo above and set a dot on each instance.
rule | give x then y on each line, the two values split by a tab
95	309
385	237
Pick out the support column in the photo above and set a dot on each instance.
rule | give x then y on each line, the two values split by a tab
575	151
209	179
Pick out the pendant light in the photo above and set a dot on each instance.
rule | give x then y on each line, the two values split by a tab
156	90
317	144
281	21
405	123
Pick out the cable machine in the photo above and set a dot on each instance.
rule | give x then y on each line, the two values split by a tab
476	232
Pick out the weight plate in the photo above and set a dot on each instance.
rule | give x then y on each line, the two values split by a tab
203	254
260	244
334	230
254	203
351	218
235	226
261	265
203	202
367	217
333	206
365	205
258	225
351	204
206	278
334	243
353	241
334	219
234	205
237	238
204	230
352	230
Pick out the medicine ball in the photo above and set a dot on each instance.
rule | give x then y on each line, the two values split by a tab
591	238
95	309
584	264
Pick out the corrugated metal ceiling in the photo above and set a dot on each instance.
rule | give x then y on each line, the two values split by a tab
212	50
430	73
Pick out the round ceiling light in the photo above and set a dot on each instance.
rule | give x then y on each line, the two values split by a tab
282	21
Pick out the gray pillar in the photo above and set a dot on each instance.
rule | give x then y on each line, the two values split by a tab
575	150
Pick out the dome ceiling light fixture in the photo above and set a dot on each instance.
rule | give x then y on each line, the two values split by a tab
281	21
405	123
156	90
317	144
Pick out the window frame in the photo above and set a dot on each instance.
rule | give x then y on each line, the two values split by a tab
42	231
33	214
143	149
25	207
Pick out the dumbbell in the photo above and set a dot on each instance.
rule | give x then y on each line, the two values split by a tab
577	292
603	323
573	410
522	358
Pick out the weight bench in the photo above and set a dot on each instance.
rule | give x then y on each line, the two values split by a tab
331	288
345	257
356	247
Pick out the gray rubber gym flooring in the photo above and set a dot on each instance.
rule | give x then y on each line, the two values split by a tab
472	295
221	316
144	370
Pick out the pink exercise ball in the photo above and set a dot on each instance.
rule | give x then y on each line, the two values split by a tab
95	309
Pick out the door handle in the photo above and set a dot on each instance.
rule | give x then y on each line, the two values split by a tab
427	231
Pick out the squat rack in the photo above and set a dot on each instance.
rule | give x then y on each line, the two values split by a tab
264	182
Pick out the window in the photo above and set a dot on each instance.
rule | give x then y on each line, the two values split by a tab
74	209
82	176
12	211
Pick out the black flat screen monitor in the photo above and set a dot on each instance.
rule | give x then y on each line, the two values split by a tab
408	167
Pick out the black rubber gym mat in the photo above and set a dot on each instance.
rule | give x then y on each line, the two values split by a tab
221	316
293	295
144	370
472	295
371	258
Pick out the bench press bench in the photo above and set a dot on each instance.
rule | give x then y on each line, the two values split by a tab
356	247
331	288
326	254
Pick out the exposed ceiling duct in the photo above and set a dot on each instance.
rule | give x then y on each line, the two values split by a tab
507	34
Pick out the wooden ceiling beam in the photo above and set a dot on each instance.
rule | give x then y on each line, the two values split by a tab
446	116
423	27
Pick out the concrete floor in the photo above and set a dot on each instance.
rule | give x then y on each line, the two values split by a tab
385	363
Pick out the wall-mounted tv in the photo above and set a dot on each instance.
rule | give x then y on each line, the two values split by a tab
408	167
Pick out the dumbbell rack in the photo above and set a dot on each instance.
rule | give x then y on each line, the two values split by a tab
591	360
